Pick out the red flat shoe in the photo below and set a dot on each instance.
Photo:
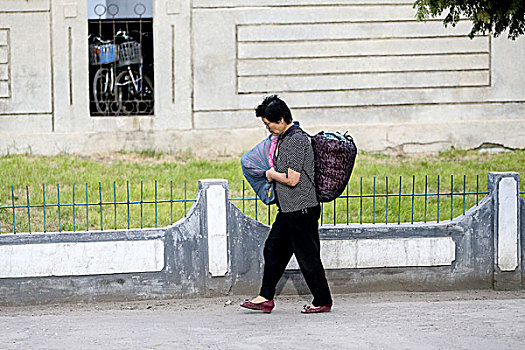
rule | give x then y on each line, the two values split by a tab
265	306
307	309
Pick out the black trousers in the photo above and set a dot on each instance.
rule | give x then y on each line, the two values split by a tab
295	233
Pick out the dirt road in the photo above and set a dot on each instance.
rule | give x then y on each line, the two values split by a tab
393	320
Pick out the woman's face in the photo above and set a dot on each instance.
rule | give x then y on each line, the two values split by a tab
275	129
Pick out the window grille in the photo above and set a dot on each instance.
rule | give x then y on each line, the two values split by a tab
121	57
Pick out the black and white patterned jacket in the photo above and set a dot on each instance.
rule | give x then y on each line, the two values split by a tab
295	152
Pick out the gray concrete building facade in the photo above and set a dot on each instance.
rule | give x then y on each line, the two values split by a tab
363	66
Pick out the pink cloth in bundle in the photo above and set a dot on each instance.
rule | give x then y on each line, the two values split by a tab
273	146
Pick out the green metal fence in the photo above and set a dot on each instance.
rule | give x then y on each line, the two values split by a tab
92	208
389	200
141	205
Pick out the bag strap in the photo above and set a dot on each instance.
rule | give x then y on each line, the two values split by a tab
297	129
292	130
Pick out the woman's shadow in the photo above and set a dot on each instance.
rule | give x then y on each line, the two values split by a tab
294	283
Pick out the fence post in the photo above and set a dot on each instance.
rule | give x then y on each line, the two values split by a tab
214	224
504	189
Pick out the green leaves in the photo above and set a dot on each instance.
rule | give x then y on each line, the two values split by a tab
488	16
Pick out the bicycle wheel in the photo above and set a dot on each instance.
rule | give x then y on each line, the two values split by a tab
145	103
101	87
126	93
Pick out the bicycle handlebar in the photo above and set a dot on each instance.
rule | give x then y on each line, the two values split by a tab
120	33
99	39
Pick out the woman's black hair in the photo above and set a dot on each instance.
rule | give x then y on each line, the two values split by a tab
274	109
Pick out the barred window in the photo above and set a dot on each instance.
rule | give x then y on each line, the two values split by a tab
121	57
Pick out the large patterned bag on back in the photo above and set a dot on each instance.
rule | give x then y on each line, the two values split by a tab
334	156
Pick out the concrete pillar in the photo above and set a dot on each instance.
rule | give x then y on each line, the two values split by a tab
504	189
214	224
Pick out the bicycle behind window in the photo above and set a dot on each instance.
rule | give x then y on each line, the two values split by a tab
121	57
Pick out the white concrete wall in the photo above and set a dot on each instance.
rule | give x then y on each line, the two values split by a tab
25	66
508	230
216	228
385	252
81	258
364	66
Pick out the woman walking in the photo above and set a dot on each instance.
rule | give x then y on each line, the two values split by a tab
295	229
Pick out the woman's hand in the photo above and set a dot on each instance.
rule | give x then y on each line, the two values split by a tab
270	174
290	178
